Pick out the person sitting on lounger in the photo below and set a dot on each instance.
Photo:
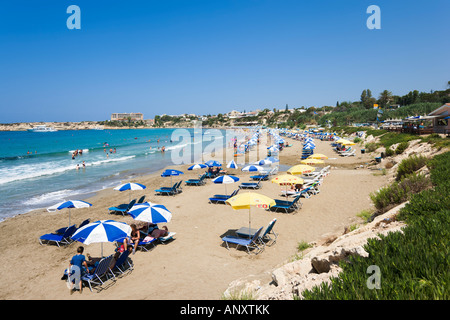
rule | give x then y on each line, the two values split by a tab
133	239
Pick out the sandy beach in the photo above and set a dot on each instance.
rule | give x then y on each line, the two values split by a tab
195	265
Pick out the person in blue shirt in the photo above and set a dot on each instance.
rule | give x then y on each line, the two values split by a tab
77	267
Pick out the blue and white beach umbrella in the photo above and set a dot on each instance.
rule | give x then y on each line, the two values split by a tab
232	165
198	166
170	173
102	231
150	212
69	204
213	163
130	186
226	179
252	168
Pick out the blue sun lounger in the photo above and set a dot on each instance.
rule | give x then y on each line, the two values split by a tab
248	243
250	185
101	273
59	238
266	236
123	209
221	198
287	206
167	190
62	230
196	182
122	264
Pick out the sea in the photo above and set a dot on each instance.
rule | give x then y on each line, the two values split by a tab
38	170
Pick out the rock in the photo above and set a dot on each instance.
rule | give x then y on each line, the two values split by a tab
279	277
320	265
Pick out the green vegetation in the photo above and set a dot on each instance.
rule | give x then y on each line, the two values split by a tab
414	264
410	165
303	245
388	197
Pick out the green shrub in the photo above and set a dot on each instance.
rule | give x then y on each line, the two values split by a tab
401	147
371	146
410	165
389	152
385	198
413	264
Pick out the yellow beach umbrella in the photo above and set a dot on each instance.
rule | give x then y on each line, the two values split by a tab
319	156
287	180
300	169
312	161
247	200
345	142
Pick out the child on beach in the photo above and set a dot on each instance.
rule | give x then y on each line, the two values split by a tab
77	267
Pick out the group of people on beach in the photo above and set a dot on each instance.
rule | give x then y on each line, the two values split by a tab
79	265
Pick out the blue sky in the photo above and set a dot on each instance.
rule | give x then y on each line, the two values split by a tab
211	56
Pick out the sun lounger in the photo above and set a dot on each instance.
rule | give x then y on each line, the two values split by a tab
122	209
250	185
287	206
248	243
167	190
302	193
221	198
101	273
266	237
178	188
260	177
62	230
122	264
59	238
141	199
196	182
347	154
144	243
166	239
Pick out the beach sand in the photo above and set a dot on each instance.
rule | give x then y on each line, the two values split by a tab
195	265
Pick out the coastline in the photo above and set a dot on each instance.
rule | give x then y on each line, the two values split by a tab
189	266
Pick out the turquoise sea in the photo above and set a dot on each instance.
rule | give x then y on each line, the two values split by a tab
37	169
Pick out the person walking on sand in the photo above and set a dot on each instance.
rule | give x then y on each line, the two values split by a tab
76	265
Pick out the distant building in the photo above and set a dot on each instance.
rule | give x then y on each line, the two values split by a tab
125	116
441	119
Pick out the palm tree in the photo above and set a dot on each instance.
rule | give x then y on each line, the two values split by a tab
385	98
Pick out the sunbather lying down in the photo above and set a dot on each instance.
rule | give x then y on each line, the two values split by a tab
157	233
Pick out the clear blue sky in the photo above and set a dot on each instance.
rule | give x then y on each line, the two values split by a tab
212	56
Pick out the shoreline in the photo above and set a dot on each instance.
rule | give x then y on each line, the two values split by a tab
189	265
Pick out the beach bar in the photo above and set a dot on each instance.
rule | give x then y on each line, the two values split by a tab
441	118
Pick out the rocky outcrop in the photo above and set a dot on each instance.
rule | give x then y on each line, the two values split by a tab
319	263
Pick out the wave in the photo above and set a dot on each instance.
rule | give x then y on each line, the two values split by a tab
49	197
24	172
